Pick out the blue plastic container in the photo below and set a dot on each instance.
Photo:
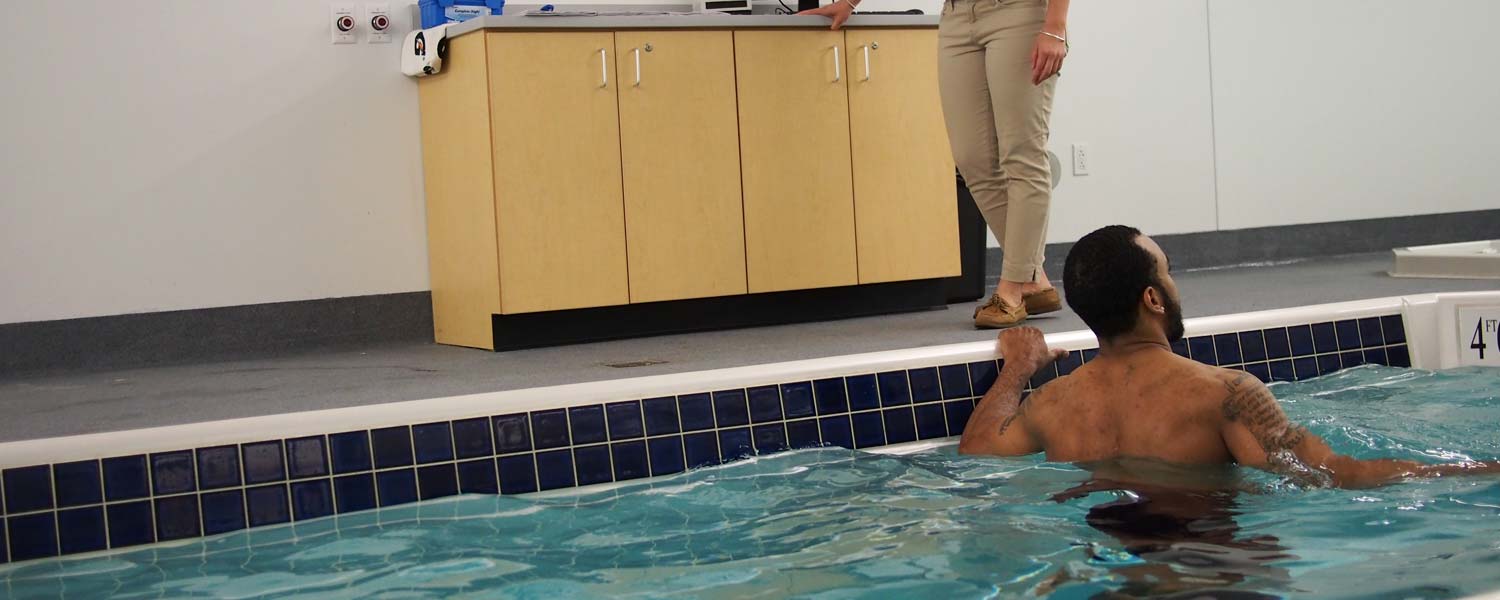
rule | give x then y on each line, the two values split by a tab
438	12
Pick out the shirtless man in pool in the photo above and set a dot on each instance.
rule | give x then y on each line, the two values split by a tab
1139	400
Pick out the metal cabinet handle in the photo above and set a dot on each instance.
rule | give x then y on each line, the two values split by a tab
637	52
838	73
603	68
866	48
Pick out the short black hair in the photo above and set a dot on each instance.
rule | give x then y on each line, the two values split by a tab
1104	276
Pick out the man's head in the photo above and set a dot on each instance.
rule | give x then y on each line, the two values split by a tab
1117	280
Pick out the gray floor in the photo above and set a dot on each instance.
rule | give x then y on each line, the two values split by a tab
86	403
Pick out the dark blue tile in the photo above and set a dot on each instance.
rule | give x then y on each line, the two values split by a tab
1376	356
593	465
869	430
955	380
1227	346
735	444
895	388
900	426
666	455
125	478
77	483
549	428
1398	356
391	447
350	452
982	376
587	424
958	416
1253	346
354	492
172	473
82	530
28	489
925	384
765	404
1278	343
1261	371
1090	354
697	411
264	462
1180	348
661	416
517	474
1306	367
1352	359
478	477
1348	334
864	393
1070	363
4	550
218	467
311	499
308	457
1369	332
836	431
630	460
625	420
702	449
472	438
437	481
1201	349
267	505
512	434
177	518
802	434
32	536
1043	376
130	524
798	399
930	423
553	469
730	408
770	438
1324	339
1328	363
396	487
831	397
1393	329
433	442
223	512
1281	370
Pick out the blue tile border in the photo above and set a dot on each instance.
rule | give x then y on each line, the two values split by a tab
122	501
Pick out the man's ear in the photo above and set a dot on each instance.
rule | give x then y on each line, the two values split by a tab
1154	300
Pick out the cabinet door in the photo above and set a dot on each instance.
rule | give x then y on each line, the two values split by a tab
794	151
679	141
559	209
904	201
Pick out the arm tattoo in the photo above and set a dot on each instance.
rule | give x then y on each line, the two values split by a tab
1252	405
1020	411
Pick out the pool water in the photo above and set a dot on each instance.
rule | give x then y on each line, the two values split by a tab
833	523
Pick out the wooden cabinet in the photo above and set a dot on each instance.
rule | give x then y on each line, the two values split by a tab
679	142
906	219
794	148
555	134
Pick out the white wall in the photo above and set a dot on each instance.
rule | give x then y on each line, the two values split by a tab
180	154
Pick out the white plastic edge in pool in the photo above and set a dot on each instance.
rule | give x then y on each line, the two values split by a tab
1431	325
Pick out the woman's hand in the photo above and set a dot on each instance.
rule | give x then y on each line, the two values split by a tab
1047	55
839	11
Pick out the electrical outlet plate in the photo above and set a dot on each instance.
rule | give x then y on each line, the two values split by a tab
1080	160
343	24
378	16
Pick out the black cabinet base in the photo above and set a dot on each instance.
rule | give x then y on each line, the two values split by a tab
555	328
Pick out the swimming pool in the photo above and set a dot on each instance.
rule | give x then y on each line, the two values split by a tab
847	524
90	493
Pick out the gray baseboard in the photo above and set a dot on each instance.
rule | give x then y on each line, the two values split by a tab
262	330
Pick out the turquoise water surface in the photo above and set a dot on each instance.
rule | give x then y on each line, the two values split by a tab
834	523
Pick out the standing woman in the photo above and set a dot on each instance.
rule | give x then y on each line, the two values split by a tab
997	67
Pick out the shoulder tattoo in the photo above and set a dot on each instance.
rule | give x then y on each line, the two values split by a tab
1249	403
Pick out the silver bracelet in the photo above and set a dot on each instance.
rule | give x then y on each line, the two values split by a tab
1054	36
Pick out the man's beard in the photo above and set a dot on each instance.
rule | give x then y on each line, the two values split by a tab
1174	327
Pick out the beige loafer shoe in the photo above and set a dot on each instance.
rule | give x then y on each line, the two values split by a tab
1042	302
995	314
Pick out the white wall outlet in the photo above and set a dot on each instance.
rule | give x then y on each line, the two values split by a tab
378	16
343	23
1080	160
